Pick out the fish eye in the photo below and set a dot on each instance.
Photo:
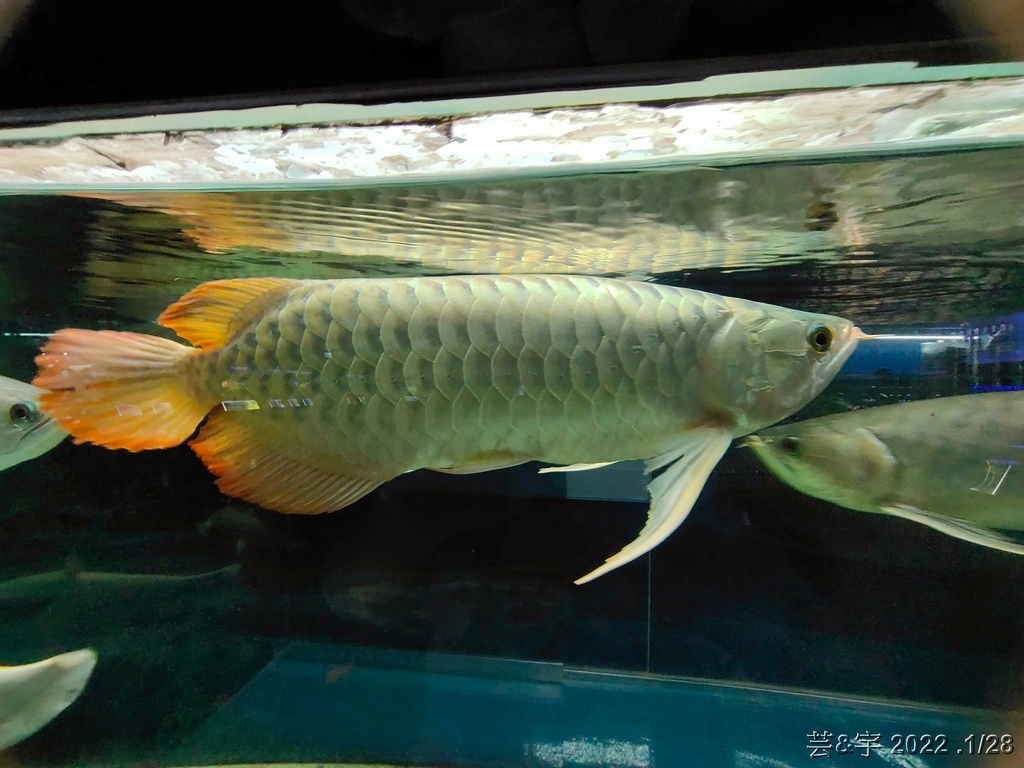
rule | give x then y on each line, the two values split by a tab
820	338
21	413
790	445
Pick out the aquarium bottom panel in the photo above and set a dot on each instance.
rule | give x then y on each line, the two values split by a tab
338	704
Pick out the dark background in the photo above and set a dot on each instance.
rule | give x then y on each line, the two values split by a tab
106	53
765	586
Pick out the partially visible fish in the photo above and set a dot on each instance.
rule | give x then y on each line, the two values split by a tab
52	585
249	531
33	694
612	223
955	464
25	432
319	391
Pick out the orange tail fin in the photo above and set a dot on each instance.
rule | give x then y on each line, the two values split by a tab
119	390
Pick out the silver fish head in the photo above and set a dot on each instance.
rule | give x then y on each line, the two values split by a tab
849	466
25	432
764	363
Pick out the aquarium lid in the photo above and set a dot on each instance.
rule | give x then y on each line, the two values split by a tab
799	115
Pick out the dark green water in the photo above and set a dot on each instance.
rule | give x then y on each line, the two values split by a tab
761	585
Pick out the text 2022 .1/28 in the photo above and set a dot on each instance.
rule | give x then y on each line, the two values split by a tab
826	744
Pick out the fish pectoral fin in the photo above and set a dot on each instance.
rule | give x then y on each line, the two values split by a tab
959	529
575	467
484	463
291	483
673	492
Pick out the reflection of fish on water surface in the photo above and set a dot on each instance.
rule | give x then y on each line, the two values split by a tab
593	224
32	695
955	464
25	432
318	392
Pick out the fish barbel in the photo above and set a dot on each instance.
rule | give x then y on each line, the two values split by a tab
25	432
319	391
950	463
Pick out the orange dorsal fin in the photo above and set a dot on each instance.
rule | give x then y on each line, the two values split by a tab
251	463
214	313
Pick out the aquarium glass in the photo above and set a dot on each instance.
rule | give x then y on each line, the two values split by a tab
435	621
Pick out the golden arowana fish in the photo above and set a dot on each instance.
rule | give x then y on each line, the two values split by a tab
318	391
955	464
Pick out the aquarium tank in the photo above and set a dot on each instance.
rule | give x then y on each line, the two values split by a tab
678	425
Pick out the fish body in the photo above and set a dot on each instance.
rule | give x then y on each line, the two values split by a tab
319	391
32	695
953	463
25	431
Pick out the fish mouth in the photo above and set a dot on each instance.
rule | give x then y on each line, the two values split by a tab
44	435
42	424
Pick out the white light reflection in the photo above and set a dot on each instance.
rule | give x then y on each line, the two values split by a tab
592	752
240	405
898	759
754	760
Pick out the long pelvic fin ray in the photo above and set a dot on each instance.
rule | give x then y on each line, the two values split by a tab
575	467
673	494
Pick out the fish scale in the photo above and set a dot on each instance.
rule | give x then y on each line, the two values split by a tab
345	384
372	345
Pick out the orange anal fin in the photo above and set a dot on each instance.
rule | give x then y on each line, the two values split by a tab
119	389
248	469
485	462
214	313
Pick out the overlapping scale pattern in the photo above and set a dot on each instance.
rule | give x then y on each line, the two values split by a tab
440	372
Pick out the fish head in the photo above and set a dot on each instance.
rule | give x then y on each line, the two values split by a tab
764	363
846	465
25	431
